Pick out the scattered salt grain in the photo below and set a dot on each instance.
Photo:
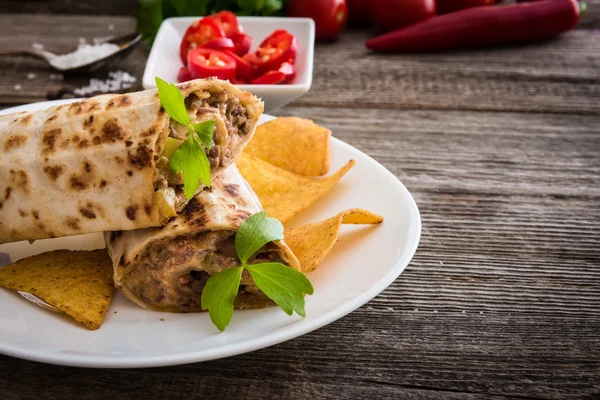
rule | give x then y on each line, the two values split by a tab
85	54
56	77
117	80
480	312
31	76
18	87
111	27
37	46
435	311
416	310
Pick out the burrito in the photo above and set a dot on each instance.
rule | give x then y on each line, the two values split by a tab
100	164
165	269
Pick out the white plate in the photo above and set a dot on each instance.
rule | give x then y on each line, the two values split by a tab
365	261
164	61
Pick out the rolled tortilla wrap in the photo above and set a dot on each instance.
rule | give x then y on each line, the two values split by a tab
165	269
98	164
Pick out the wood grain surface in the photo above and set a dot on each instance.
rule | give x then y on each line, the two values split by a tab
500	149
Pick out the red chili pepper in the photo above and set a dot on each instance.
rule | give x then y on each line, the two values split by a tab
482	26
283	74
197	34
241	42
218	44
204	63
279	47
446	6
184	75
244	70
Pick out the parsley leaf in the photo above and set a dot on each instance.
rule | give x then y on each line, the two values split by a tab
219	294
205	132
254	233
191	158
172	101
282	284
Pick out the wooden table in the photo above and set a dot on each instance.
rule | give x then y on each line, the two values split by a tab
500	149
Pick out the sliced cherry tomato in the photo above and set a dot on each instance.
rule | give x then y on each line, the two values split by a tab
184	75
204	63
244	69
283	74
199	33
279	47
242	43
227	20
219	44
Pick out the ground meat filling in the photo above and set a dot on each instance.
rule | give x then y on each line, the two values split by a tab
173	273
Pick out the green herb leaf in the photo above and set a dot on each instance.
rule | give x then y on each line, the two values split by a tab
254	233
282	284
172	101
205	132
272	6
191	159
219	294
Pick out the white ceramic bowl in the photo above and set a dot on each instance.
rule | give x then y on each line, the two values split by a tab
164	59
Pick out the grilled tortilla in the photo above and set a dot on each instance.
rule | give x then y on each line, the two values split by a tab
98	164
165	269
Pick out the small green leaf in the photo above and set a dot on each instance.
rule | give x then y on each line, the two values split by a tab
282	284
205	132
191	159
219	294
272	6
254	233
172	101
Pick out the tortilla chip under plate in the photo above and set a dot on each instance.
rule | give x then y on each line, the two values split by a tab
311	243
295	144
284	194
79	283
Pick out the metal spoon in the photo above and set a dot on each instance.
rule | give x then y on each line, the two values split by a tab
126	45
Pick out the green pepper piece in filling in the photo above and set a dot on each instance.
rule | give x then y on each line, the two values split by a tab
171	145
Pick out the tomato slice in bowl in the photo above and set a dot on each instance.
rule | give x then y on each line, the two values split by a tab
204	63
227	20
241	42
244	69
278	48
197	34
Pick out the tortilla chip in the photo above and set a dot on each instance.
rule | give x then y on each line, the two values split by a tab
79	283
284	194
311	243
295	144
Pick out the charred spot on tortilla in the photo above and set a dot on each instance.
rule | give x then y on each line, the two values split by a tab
112	131
49	139
73	223
86	212
131	211
25	120
149	132
15	141
130	173
7	193
232	189
53	172
128	143
122	260
52	118
111	104
141	158
124	101
23	213
103	183
148	209
75	108
88	122
87	167
20	179
36	214
41	226
77	184
83	144
65	143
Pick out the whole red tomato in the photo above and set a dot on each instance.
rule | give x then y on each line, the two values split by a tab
330	16
393	14
359	12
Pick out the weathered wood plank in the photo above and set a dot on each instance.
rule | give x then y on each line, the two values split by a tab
89	7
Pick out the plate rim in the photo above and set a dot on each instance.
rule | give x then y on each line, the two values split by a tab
253	344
